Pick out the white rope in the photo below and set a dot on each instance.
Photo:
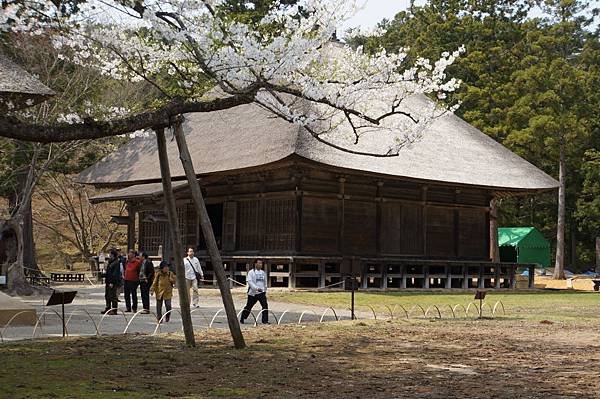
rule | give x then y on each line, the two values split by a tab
330	285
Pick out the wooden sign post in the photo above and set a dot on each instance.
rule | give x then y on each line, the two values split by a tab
61	298
350	269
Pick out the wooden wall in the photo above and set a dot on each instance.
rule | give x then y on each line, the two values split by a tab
266	224
302	209
320	226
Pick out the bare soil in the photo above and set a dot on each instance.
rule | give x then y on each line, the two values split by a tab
500	358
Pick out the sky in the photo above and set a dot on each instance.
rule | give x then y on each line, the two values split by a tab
374	11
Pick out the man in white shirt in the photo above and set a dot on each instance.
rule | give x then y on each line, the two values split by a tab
257	291
192	266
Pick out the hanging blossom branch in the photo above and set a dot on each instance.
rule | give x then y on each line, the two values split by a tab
291	68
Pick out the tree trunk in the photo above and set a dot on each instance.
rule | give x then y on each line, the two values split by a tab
494	250
11	256
559	266
20	203
184	298
597	254
209	237
29	258
573	242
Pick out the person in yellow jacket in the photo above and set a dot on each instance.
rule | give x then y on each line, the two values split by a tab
162	286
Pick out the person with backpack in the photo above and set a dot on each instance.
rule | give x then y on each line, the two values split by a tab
146	279
193	273
112	280
162	287
257	292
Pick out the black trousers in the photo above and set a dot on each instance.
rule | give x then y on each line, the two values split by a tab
145	293
131	295
252	299
110	295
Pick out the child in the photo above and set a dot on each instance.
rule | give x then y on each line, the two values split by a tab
162	286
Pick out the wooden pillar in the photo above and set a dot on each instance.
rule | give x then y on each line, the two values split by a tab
184	299
322	282
513	280
268	272
480	280
209	237
363	273
384	276
531	279
425	276
341	196
424	202
497	278
448	276
493	237
292	277
130	227
403	272
456	226
465	272
298	222
378	222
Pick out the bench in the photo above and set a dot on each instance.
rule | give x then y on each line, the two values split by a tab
38	280
80	277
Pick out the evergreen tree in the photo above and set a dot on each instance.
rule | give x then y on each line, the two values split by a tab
531	84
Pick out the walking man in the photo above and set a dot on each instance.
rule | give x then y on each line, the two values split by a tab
257	291
112	278
146	278
193	272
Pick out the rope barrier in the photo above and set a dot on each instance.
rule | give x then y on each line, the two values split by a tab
237	282
90	281
424	313
330	285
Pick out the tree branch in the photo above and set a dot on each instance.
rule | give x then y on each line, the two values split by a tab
12	127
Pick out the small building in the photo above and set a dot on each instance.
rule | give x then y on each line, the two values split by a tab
417	220
523	245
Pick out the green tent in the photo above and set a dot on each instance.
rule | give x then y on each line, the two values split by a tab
523	245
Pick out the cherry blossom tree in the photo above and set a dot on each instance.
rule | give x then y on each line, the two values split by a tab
201	60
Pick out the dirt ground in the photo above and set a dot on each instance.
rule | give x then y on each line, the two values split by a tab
500	358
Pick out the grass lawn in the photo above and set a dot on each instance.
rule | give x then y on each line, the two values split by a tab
531	305
547	351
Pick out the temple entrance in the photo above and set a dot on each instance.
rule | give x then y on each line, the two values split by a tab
215	214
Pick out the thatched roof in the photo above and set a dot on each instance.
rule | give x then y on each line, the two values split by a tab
450	151
19	87
136	191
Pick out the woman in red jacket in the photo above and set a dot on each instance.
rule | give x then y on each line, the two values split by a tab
131	275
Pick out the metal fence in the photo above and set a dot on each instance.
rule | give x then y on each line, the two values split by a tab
207	320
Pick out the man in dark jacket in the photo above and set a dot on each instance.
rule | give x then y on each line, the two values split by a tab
112	278
146	279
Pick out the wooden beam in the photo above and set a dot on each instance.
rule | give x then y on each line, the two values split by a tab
378	222
492	238
184	299
130	227
424	202
340	215
209	237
